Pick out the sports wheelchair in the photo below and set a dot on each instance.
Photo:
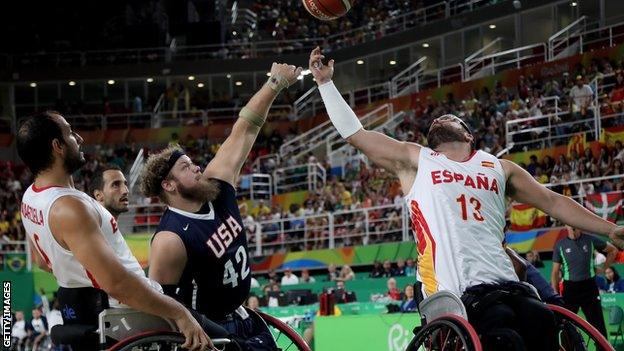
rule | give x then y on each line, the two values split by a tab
130	330
445	327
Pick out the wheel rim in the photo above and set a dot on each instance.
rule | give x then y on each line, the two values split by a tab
573	330
445	334
286	338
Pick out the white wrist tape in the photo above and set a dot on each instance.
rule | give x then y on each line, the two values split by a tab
341	115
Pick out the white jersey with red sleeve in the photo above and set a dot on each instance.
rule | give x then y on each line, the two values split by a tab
69	273
458	217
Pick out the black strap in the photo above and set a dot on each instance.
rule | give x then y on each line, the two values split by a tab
81	305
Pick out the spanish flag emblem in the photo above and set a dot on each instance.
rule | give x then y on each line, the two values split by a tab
488	164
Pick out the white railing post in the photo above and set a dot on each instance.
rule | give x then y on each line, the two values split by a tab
366	226
258	240
331	231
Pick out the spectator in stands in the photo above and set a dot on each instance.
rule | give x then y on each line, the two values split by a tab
547	165
332	275
540	176
387	269
273	277
261	210
341	294
605	159
580	96
409	303
399	271
619	151
306	278
346	273
393	292
254	283
289	278
37	329
18	331
534	259
377	271
410	268
614	283
253	303
531	168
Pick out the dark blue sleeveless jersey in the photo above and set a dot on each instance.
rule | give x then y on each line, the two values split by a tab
216	248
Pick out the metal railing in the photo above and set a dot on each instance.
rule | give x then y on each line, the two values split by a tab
438	77
304	107
266	163
309	176
610	112
509	59
559	44
473	60
407	81
255	186
315	138
550	127
162	118
335	145
581	38
329	230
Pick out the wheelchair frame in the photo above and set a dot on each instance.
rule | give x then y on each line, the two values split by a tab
451	314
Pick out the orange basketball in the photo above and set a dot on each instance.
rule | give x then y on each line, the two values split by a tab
327	10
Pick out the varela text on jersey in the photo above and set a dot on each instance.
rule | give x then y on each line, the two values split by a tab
33	214
479	181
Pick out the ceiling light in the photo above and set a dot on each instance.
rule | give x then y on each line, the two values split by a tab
110	82
200	85
239	83
71	83
33	85
228	76
492	26
425	45
573	4
360	62
392	62
268	74
191	77
150	80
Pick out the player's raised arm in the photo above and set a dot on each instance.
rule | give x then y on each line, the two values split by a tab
393	155
231	156
522	187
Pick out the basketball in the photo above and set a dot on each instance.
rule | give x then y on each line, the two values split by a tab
327	10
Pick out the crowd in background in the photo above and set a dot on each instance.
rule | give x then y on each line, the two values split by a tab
360	186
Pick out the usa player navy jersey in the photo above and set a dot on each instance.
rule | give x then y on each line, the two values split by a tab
216	248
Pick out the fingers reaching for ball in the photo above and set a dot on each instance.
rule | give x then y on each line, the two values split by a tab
289	72
322	73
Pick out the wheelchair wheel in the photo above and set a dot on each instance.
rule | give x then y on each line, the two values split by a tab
576	334
448	332
285	337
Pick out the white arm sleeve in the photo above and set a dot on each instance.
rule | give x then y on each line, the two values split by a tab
341	115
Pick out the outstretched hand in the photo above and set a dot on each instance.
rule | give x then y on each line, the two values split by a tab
322	73
289	72
617	236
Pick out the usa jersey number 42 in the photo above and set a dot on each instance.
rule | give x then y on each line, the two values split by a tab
230	276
